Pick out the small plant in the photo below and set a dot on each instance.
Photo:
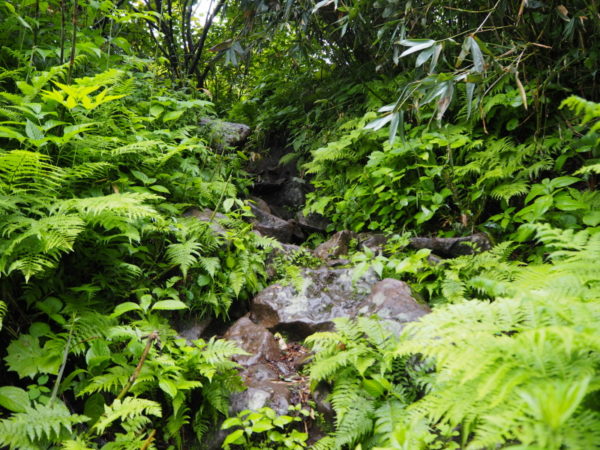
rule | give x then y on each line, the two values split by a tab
264	429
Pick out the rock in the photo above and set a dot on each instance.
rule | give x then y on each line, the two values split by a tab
293	194
373	241
392	301
338	245
312	223
263	389
261	204
260	378
320	395
254	339
227	134
327	294
209	216
193	329
273	226
453	247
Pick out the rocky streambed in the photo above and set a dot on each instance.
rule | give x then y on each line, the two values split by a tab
282	315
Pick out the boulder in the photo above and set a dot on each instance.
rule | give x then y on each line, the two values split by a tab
392	301
192	329
273	226
373	241
209	216
327	293
453	247
254	339
261	204
293	194
312	223
263	389
338	245
227	134
330	293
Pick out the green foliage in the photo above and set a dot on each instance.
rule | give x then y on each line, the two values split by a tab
530	379
38	425
264	429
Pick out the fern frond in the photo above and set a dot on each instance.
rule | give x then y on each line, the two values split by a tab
127	409
75	444
38	425
184	254
3	310
112	381
510	190
28	171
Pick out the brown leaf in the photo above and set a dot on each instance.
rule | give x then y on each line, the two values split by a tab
563	11
521	90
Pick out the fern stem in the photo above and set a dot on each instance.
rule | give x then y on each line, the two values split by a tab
148	441
136	373
63	364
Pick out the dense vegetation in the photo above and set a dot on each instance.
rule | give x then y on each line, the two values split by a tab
407	117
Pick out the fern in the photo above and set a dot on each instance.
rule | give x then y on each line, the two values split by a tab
184	254
38	425
130	408
507	191
587	110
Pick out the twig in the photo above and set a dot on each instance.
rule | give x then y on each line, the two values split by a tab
136	373
148	441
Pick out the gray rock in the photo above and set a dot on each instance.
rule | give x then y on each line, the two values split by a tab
453	247
193	329
392	301
320	395
260	378
373	241
273	226
263	389
312	223
261	204
209	216
327	294
254	339
293	194
338	245
227	134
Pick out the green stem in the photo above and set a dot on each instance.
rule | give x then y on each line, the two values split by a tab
64	362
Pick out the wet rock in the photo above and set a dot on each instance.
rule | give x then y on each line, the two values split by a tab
227	134
293	194
261	204
260	374
320	395
263	389
392	301
275	227
192	329
326	294
312	223
254	339
338	245
373	241
209	216
453	247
